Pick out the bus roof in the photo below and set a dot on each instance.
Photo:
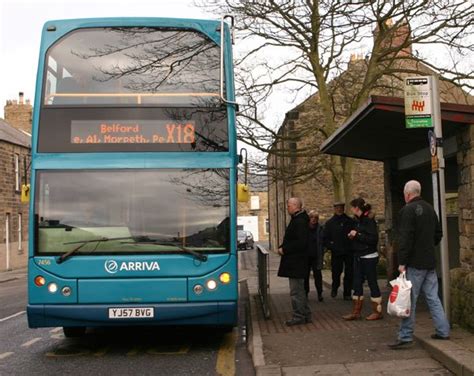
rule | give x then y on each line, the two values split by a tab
131	21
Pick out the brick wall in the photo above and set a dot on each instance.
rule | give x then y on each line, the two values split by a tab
10	204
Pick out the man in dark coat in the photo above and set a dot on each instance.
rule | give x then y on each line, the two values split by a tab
420	232
294	260
335	239
315	254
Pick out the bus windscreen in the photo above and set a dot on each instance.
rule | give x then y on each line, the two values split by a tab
142	211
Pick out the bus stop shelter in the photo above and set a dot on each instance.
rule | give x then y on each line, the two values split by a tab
376	131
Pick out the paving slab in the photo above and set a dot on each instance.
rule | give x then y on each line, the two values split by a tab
330	345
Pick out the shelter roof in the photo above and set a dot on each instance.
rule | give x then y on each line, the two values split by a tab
376	131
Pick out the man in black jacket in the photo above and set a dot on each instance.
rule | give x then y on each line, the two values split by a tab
335	239
294	261
420	232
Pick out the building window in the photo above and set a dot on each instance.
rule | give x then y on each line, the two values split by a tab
267	226
17	173
20	232
254	203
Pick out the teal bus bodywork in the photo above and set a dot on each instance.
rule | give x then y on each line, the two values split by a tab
164	281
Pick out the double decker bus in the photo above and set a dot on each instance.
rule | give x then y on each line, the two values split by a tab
133	177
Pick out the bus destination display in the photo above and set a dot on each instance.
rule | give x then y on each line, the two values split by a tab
132	132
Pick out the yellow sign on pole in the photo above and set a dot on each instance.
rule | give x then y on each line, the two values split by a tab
25	193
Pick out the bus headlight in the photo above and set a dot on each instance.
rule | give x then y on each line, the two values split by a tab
211	284
40	281
198	289
66	291
52	287
224	278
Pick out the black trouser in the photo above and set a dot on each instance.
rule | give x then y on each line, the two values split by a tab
366	269
338	264
318	276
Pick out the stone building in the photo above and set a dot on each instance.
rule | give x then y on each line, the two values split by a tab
386	156
367	180
253	215
15	147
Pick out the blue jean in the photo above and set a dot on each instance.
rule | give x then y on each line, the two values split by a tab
427	281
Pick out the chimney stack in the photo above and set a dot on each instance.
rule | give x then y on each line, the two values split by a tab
18	114
396	36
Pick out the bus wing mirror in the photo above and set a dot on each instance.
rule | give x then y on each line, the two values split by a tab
25	193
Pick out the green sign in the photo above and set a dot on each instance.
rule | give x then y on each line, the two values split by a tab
418	122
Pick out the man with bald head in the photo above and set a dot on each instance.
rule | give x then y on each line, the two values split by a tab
294	260
420	232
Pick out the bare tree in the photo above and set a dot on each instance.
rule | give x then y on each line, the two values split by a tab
315	39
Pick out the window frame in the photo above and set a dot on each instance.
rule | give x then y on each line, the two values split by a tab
17	172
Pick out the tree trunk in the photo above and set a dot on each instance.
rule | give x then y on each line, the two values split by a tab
347	165
341	171
337	173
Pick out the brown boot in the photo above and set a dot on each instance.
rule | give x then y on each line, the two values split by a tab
356	308
376	309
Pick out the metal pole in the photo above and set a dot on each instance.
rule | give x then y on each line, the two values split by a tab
442	196
7	240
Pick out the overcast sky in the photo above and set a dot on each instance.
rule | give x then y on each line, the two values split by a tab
21	22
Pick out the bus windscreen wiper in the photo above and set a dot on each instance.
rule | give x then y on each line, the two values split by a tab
82	243
147	240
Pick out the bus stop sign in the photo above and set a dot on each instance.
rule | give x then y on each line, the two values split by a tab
418	109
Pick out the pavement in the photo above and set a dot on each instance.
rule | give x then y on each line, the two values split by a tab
12	275
332	346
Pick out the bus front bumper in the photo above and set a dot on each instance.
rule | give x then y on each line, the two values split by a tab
206	313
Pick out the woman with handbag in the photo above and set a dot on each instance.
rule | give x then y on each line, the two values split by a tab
364	239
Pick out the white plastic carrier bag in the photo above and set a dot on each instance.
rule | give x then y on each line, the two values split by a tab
399	301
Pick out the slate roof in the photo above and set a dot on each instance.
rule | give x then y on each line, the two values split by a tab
13	135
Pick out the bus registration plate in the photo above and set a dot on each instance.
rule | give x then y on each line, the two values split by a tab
131	313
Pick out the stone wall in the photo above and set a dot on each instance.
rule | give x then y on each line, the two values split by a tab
10	205
462	279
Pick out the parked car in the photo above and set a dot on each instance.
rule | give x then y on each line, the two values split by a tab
245	240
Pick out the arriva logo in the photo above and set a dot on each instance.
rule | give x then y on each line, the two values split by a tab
112	267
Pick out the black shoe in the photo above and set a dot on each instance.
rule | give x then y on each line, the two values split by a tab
347	297
333	293
295	322
320	298
436	336
401	345
308	320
